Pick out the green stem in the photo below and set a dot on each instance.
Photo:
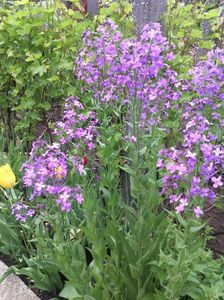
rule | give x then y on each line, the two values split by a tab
137	176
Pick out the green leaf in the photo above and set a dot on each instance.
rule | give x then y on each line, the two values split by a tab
134	271
7	234
21	2
88	297
181	219
196	33
213	13
128	170
196	228
69	291
147	296
206	44
39	69
53	78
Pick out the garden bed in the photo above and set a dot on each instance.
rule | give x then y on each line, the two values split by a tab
112	158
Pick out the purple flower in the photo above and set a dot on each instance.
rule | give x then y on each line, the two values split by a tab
160	163
173	198
80	168
79	198
67	196
217	181
106	64
198	211
172	167
182	203
170	56
22	211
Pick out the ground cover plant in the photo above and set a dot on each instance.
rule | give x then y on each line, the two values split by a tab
64	218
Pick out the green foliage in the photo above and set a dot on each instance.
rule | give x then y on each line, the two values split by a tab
191	27
119	11
38	47
110	250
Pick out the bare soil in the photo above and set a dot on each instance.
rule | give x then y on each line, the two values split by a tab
215	218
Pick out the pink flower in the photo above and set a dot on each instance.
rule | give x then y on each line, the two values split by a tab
133	138
90	145
172	167
79	198
181	169
181	206
31	212
198	211
80	168
218	151
160	163
173	198
217	181
191	154
170	56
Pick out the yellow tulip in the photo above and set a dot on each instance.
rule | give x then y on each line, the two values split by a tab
7	177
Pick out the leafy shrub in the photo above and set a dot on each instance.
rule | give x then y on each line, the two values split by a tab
191	27
38	46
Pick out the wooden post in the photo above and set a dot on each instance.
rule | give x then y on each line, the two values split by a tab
146	11
92	7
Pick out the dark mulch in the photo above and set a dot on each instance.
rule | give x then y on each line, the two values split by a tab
215	218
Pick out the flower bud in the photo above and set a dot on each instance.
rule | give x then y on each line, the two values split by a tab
7	177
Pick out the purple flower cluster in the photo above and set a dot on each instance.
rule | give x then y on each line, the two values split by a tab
76	132
136	72
77	125
126	70
22	211
194	171
46	170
